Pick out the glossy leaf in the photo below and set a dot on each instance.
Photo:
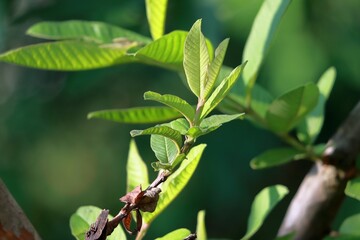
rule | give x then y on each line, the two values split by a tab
351	226
87	30
288	110
311	126
264	202
164	131
200	227
66	55
176	182
353	188
136	170
174	102
196	59
138	115
214	68
261	35
178	234
156	14
274	157
221	91
84	216
166	51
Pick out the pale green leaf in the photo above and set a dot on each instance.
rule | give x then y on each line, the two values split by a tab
200	227
218	120
178	234
261	35
353	188
98	32
165	149
164	131
84	216
136	170
180	125
156	14
221	91
66	55
176	182
196	59
264	202
166	51
351	226
214	68
274	157
173	101
310	127
137	115
287	111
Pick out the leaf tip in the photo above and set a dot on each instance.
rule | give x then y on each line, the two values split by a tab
135	133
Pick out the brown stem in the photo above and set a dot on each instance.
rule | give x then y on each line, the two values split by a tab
321	193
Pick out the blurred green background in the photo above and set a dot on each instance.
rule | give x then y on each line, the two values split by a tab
54	160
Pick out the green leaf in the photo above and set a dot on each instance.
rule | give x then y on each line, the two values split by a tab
310	127
214	68
164	131
289	236
156	14
138	115
178	234
353	188
176	182
261	35
221	91
66	55
180	125
98	32
174	102
81	220
166	52
286	111
196	59
264	202
351	226
218	120
136	170
274	157
165	149
342	237
200	227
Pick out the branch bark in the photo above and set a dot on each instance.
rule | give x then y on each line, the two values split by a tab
321	193
14	225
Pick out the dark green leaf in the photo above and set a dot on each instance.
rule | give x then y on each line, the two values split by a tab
353	188
288	110
264	202
137	115
173	101
178	234
156	14
92	31
274	157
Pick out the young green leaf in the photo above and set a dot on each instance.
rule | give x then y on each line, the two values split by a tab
176	182
351	226
136	170
262	32
164	131
264	202
166	151
66	55
138	115
200	227
353	188
196	59
156	14
287	111
218	120
274	157
84	216
214	69
178	234
221	91
174	102
166	52
98	32
310	127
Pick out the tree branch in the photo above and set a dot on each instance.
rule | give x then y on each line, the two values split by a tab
14	224
321	193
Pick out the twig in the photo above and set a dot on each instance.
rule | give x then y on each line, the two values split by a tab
321	193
